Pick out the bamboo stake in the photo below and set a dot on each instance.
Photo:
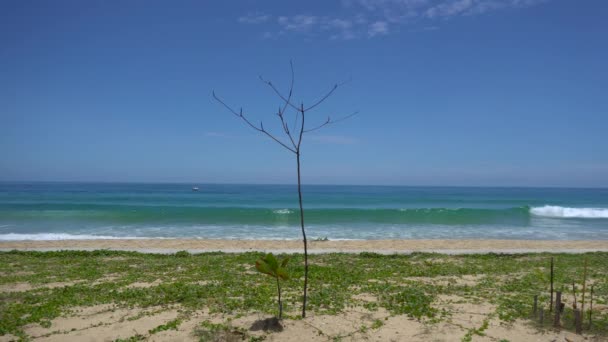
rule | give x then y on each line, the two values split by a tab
578	321
574	294
584	287
590	307
558	305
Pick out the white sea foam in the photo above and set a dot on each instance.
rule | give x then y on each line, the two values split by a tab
282	211
61	236
565	212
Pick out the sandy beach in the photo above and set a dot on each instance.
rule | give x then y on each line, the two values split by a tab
114	296
344	246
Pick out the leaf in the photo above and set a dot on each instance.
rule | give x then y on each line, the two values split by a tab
282	273
272	262
284	262
263	267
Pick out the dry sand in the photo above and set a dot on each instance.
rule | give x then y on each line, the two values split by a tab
348	246
108	322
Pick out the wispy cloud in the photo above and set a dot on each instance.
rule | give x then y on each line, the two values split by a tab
339	28
377	28
449	9
374	18
254	18
298	23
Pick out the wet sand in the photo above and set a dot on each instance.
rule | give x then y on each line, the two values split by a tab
344	246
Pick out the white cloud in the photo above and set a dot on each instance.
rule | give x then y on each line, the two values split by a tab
339	24
381	4
373	18
379	27
449	9
254	18
341	29
298	23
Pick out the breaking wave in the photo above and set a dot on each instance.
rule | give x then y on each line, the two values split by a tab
566	212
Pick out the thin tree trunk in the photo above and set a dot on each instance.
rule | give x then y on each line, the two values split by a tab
551	304
280	303
303	238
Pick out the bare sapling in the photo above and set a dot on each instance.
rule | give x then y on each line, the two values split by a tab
291	139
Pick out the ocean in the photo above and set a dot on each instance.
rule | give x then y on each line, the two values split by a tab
53	211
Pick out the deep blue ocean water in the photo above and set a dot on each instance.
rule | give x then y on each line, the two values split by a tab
38	211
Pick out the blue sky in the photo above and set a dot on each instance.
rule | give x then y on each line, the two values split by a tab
450	92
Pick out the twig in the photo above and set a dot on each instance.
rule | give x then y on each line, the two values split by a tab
287	100
329	121
323	98
244	118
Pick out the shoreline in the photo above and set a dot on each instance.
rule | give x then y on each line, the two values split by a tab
167	246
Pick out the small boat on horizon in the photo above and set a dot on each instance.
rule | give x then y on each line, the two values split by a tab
195	188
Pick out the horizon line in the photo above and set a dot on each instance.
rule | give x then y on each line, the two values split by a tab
309	184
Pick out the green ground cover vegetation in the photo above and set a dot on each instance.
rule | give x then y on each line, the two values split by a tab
229	284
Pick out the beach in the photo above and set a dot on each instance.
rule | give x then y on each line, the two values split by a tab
296	246
159	262
112	295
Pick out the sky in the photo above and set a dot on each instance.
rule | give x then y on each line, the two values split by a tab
448	92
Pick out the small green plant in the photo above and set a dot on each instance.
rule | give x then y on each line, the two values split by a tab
171	325
134	338
212	332
182	254
413	302
377	324
476	331
270	265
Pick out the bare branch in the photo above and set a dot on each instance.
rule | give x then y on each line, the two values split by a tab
323	98
327	95
287	100
244	118
295	121
290	88
301	128
320	126
286	130
329	121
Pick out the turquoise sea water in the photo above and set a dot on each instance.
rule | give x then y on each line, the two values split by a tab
37	211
